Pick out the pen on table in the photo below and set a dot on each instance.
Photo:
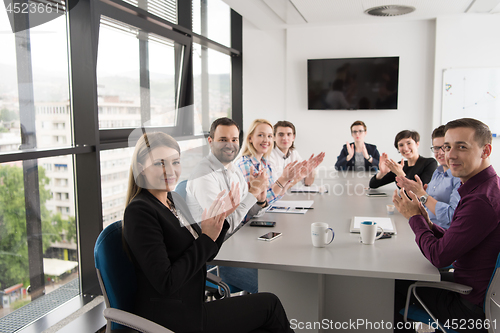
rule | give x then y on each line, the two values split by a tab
304	208
276	207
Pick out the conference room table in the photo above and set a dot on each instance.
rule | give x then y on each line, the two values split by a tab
347	285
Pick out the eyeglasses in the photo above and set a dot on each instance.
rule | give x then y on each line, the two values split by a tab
356	132
436	149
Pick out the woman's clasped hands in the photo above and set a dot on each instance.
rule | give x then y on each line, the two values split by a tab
387	165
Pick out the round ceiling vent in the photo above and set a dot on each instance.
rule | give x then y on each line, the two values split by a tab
390	10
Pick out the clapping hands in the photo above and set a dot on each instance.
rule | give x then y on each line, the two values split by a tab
296	171
382	165
396	168
411	185
410	206
258	184
386	165
212	219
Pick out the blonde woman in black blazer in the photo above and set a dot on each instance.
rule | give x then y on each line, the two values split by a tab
169	251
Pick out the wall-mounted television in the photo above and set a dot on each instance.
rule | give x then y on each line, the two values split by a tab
353	83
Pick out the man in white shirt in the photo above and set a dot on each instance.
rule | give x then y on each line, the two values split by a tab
216	173
284	151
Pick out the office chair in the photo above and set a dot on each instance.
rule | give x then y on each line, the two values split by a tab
118	283
181	189
491	304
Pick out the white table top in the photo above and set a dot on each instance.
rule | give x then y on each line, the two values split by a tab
396	258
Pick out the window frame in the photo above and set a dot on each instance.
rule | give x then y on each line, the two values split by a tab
83	31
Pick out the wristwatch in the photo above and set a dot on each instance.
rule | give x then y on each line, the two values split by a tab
370	158
423	199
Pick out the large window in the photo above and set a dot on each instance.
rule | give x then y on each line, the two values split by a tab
139	89
69	99
211	18
118	76
115	168
35	109
212	86
38	245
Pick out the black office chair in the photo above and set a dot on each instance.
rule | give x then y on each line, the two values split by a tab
118	283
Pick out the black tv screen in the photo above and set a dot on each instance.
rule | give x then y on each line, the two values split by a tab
353	83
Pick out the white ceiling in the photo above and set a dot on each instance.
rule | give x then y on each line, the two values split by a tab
272	14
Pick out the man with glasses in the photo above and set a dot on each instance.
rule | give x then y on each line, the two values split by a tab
440	197
472	242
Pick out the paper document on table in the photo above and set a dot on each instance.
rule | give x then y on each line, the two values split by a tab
300	188
290	207
385	223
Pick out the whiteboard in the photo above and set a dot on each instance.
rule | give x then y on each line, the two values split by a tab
472	93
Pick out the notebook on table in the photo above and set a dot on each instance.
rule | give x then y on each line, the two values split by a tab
385	223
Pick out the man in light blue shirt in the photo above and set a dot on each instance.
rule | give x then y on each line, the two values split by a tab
440	197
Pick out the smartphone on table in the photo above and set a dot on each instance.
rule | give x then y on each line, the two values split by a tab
262	224
270	236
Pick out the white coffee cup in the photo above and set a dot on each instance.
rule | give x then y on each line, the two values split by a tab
319	234
368	231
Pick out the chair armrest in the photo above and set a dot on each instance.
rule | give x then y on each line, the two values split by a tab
222	285
215	268
446	285
213	278
133	321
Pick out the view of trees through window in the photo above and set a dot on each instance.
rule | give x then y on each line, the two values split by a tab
58	237
35	194
140	80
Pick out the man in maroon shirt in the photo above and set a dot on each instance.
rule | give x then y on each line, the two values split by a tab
472	242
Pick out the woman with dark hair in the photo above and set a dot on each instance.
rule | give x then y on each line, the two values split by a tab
406	142
358	155
440	197
169	251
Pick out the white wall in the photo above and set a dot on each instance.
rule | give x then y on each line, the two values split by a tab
466	41
275	93
263	73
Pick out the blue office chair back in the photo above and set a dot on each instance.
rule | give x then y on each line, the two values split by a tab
492	298
181	189
115	270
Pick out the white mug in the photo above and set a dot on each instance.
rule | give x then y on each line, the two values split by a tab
319	234
368	231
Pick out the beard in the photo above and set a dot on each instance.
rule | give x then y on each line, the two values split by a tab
225	152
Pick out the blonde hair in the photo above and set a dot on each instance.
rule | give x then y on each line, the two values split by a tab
248	148
144	146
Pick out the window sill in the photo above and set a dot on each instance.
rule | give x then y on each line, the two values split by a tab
81	314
